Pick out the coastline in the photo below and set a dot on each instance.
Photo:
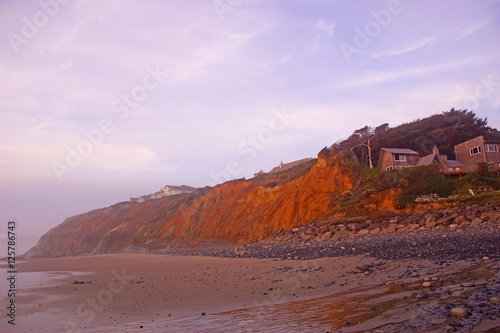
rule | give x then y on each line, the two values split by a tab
173	293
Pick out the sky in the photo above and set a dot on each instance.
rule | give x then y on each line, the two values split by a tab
101	101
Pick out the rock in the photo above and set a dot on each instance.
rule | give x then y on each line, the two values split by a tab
364	232
387	230
459	312
430	219
495	300
423	295
427	284
468	284
374	231
494	216
476	222
430	225
327	234
460	219
340	234
486	258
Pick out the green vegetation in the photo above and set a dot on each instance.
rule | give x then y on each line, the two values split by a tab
269	180
443	130
410	183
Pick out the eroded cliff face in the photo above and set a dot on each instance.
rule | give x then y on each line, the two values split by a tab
237	212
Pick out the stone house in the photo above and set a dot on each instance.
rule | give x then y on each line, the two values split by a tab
479	150
397	158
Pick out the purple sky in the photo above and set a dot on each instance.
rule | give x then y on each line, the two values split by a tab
101	101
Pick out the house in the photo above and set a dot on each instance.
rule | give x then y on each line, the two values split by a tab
397	158
165	192
286	166
172	190
479	150
445	164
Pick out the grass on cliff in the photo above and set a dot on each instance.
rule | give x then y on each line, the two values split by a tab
270	180
410	184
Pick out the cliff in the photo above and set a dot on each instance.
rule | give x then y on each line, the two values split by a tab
240	211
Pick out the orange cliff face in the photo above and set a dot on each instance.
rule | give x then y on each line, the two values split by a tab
237	212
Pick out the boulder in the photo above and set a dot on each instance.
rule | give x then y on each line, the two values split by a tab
387	230
363	232
460	219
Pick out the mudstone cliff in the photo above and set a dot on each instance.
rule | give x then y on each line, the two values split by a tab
236	212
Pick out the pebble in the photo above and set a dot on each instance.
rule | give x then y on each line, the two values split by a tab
486	258
495	299
459	312
427	284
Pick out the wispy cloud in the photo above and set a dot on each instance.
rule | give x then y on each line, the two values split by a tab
473	28
372	78
407	48
322	30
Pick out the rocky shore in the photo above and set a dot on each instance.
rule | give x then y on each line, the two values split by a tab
340	228
462	300
458	233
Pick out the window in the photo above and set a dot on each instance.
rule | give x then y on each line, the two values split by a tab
491	148
475	150
399	157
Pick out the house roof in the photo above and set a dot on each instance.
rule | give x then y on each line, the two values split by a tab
289	165
426	160
405	151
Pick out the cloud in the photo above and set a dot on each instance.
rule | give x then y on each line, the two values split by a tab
473	28
322	30
407	48
372	78
325	27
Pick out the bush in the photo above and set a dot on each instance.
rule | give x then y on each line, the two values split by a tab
480	178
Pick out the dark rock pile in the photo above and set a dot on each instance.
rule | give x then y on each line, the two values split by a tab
337	229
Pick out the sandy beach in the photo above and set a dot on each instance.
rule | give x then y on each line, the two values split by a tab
164	293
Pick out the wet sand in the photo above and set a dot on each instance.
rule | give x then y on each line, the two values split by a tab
161	293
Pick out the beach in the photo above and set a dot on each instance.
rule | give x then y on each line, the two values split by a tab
174	293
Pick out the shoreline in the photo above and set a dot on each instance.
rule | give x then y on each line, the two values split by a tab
312	285
188	291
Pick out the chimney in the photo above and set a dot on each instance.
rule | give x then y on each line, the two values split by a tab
281	164
435	150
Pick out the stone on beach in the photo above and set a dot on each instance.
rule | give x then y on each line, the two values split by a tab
459	312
